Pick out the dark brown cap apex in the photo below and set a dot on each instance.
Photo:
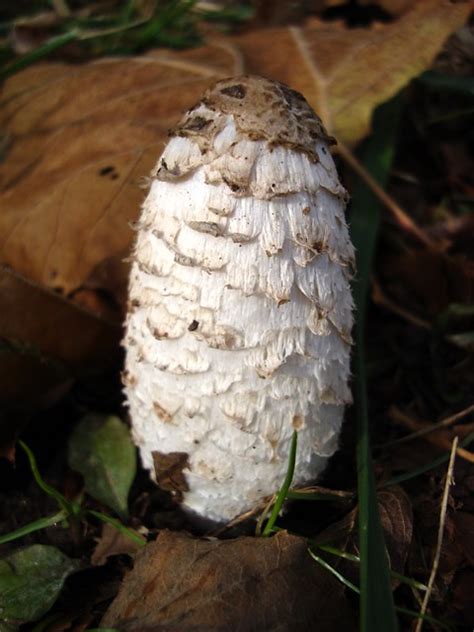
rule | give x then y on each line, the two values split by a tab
262	109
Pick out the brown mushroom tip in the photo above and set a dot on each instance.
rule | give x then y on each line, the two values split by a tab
262	109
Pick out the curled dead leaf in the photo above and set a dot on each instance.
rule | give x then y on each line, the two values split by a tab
34	359
396	516
112	542
180	583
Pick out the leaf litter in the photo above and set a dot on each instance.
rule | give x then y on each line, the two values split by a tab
71	199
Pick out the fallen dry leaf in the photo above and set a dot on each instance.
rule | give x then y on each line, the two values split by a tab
427	282
396	516
464	535
80	139
462	602
458	540
183	584
112	542
48	314
34	359
345	73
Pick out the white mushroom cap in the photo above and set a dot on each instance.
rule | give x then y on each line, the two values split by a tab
240	313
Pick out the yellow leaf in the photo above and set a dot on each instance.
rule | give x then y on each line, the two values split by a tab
79	141
345	73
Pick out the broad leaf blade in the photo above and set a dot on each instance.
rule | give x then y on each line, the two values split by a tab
376	602
345	73
31	580
102	451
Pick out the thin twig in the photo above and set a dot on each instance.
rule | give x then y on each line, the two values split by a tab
380	298
440	441
439	544
401	217
396	414
240	518
316	489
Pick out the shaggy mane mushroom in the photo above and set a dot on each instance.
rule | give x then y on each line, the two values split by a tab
240	310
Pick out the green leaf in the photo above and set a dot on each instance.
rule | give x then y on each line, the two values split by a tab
31	580
102	451
377	610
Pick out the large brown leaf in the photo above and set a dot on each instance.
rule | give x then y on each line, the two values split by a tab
182	584
45	342
345	73
80	139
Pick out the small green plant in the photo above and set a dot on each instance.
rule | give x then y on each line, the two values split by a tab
31	580
102	451
101	463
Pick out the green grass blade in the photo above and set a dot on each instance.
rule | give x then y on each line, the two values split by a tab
51	491
282	494
36	525
377	610
425	617
334	572
138	539
355	558
38	53
351	586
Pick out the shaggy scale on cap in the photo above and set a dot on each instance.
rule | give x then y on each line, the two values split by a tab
240	310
